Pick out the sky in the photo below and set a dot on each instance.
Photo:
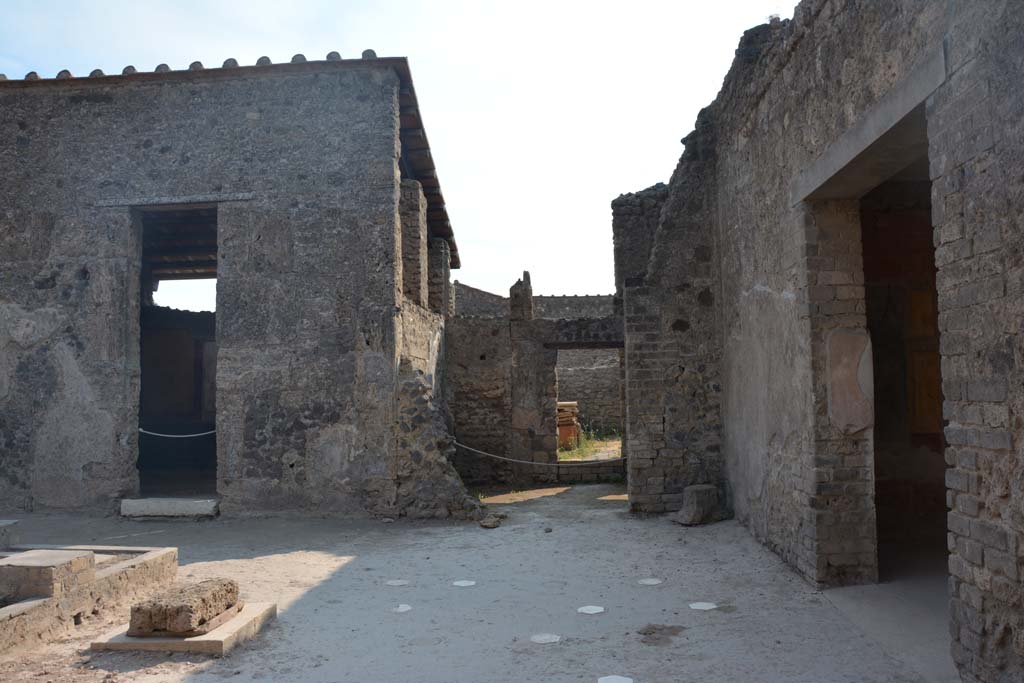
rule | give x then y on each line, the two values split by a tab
539	113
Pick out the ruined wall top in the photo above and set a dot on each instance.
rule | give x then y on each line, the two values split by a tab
417	161
470	301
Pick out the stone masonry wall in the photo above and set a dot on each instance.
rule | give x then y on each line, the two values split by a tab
479	366
788	304
301	163
413	208
502	388
592	377
976	147
471	301
635	219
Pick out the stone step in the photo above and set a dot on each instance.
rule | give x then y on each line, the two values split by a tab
183	508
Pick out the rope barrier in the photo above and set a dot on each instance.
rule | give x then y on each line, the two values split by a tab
177	436
589	463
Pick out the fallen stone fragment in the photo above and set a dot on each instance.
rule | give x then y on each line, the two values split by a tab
185	610
700	506
548	530
490	522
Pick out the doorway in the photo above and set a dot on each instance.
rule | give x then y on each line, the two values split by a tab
589	399
178	352
902	318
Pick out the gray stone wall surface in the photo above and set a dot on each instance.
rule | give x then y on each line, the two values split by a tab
413	208
470	301
301	162
592	377
479	366
776	286
502	388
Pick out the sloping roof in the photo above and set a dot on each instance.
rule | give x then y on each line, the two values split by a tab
417	161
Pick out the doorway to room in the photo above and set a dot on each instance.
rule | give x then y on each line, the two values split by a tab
178	351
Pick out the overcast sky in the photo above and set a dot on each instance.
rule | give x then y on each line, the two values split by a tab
539	113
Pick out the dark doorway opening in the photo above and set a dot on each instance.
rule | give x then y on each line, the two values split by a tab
178	352
902	315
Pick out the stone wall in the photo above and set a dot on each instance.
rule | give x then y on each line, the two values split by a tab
746	255
592	377
574	306
479	365
635	219
470	301
502	388
413	215
301	162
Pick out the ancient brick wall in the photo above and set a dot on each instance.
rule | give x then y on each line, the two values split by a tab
470	301
479	366
574	306
301	162
592	377
787	306
976	147
635	218
478	303
502	387
413	215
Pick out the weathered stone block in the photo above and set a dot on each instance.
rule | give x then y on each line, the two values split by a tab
45	573
183	609
700	505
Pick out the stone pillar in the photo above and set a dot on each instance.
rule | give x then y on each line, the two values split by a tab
439	257
840	478
413	214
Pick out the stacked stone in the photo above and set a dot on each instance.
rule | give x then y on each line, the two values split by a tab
45	573
427	485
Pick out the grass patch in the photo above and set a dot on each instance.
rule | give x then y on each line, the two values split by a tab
593	446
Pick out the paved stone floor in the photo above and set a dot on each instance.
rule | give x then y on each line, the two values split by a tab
336	621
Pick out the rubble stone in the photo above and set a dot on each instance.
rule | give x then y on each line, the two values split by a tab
183	609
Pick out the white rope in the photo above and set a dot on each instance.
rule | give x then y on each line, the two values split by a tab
589	463
177	436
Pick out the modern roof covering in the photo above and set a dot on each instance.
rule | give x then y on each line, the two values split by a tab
417	162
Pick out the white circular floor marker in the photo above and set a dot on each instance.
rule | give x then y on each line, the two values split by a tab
397	582
590	609
649	582
401	608
703	606
463	583
545	638
614	679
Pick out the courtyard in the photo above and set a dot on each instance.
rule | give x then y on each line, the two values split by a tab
559	549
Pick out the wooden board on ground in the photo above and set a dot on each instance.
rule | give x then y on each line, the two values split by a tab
219	641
